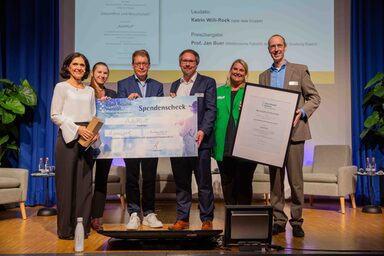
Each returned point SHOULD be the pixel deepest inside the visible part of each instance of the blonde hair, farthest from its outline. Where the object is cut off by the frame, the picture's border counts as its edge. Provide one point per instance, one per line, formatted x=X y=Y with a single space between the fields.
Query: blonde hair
x=245 y=66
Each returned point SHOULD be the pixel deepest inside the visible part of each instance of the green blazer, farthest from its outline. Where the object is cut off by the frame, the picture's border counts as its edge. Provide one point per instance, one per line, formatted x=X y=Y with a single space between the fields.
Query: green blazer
x=222 y=117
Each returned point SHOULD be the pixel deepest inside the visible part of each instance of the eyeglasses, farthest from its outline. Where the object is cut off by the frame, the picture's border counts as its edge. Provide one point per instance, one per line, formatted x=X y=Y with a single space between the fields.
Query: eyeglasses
x=141 y=64
x=188 y=61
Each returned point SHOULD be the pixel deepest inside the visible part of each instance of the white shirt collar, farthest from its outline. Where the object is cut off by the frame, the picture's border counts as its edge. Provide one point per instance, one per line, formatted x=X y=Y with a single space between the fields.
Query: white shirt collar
x=143 y=83
x=192 y=80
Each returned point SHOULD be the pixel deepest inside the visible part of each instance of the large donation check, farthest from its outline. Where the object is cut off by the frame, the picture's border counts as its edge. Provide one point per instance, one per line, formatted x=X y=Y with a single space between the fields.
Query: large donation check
x=148 y=127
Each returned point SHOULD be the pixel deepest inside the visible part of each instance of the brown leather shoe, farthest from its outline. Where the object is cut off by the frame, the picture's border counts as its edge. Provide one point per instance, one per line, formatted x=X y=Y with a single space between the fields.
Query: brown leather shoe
x=207 y=225
x=179 y=225
x=96 y=224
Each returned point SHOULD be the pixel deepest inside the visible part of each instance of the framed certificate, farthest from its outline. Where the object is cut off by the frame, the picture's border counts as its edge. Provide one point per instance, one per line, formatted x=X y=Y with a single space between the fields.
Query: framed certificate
x=265 y=124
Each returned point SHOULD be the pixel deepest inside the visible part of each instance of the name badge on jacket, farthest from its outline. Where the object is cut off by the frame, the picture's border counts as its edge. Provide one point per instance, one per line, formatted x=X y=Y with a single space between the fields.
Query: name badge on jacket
x=199 y=94
x=293 y=83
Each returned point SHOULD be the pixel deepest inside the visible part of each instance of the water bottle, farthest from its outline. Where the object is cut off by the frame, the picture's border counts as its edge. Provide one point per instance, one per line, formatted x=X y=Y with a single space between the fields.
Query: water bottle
x=373 y=166
x=79 y=235
x=46 y=165
x=41 y=166
x=368 y=166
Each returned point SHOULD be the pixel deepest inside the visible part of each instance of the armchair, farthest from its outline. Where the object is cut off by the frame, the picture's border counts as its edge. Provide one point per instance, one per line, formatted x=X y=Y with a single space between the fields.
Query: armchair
x=260 y=182
x=165 y=185
x=331 y=174
x=14 y=187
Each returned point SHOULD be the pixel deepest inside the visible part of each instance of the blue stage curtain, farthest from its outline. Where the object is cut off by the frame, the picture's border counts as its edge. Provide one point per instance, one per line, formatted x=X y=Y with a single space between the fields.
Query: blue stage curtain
x=367 y=58
x=29 y=43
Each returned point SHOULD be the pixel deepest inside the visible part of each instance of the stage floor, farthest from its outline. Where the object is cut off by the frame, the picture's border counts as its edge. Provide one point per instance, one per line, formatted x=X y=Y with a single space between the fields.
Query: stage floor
x=327 y=231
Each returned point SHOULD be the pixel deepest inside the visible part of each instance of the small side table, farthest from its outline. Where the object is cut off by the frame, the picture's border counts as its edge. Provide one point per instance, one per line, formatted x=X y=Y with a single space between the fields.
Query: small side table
x=46 y=211
x=372 y=208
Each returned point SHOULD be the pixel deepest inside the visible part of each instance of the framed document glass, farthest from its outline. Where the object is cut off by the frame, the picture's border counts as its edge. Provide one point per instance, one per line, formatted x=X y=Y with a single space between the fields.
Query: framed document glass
x=265 y=124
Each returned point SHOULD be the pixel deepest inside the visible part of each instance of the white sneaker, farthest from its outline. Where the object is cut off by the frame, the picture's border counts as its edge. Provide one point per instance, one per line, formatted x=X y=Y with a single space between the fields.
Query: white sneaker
x=151 y=221
x=134 y=221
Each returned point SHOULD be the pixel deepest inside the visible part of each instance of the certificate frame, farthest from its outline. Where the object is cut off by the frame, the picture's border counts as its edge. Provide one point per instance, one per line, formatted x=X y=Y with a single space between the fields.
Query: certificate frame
x=265 y=124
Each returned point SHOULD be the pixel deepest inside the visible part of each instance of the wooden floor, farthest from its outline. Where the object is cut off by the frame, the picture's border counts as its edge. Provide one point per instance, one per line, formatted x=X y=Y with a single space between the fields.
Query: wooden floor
x=327 y=231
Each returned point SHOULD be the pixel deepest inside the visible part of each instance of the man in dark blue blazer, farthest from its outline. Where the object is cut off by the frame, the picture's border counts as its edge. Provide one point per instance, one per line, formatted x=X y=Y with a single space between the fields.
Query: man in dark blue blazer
x=133 y=87
x=204 y=88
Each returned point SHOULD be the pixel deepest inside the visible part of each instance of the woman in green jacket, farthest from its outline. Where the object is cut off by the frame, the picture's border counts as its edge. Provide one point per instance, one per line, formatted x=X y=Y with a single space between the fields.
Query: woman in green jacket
x=236 y=174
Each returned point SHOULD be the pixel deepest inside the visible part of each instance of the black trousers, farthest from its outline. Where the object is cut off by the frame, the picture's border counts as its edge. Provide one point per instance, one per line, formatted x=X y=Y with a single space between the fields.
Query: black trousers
x=132 y=188
x=236 y=180
x=73 y=185
x=100 y=192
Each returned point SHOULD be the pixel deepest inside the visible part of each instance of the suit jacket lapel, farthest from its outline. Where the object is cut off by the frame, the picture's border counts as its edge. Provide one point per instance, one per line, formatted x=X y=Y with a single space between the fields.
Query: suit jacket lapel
x=136 y=87
x=228 y=96
x=148 y=91
x=195 y=85
x=288 y=74
x=236 y=102
x=268 y=78
x=175 y=86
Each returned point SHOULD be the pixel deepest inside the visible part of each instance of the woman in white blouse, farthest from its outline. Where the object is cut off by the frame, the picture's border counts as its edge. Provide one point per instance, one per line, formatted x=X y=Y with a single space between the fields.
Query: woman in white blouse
x=72 y=107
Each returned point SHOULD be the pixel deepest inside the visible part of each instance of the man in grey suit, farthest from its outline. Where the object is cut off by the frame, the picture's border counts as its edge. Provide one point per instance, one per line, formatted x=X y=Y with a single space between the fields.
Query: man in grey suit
x=283 y=74
x=136 y=86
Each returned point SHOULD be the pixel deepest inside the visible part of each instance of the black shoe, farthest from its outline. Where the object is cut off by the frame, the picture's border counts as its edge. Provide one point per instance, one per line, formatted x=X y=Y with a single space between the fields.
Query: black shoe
x=298 y=231
x=96 y=223
x=66 y=237
x=276 y=229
